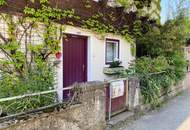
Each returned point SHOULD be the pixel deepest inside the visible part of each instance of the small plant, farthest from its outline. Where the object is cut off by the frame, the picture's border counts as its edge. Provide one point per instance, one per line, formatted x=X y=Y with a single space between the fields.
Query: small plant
x=115 y=63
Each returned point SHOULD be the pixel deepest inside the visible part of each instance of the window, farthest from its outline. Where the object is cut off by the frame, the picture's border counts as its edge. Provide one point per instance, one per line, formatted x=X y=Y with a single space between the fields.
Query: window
x=112 y=50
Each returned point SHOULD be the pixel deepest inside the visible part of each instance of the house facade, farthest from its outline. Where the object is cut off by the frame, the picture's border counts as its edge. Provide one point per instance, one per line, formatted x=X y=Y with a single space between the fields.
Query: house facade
x=84 y=53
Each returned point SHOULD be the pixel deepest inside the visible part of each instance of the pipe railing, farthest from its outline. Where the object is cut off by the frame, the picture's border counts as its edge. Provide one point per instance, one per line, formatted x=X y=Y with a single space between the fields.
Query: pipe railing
x=32 y=94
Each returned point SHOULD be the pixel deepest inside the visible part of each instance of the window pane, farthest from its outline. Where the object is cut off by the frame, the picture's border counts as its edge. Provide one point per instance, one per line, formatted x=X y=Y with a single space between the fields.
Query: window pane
x=112 y=49
x=110 y=52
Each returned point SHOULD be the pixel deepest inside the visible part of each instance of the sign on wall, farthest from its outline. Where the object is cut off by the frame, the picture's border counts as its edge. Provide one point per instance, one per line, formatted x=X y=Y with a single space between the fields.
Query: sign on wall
x=117 y=89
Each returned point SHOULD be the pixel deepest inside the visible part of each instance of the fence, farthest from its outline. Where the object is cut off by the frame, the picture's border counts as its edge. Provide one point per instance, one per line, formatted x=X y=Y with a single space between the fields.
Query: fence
x=87 y=112
x=111 y=102
x=49 y=97
x=116 y=96
x=117 y=100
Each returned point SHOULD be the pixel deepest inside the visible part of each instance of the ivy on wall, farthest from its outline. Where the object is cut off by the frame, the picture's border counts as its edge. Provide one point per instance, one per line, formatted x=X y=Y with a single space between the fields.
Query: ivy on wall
x=49 y=15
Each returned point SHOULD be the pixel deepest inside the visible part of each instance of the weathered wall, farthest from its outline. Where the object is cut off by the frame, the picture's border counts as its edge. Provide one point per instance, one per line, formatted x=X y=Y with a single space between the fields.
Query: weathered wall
x=136 y=99
x=89 y=115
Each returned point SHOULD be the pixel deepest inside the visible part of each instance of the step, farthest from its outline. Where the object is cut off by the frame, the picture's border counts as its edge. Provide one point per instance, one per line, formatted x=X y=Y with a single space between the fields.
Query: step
x=120 y=118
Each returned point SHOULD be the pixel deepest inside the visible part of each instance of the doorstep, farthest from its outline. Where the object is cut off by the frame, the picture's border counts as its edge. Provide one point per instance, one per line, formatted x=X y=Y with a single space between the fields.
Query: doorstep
x=120 y=119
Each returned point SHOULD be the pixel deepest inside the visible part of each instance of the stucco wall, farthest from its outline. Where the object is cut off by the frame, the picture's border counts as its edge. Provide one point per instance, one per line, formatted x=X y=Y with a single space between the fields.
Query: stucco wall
x=89 y=115
x=96 y=52
x=96 y=55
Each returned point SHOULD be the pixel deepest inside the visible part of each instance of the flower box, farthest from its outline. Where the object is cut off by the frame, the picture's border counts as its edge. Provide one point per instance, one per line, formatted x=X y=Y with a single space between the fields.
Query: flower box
x=113 y=71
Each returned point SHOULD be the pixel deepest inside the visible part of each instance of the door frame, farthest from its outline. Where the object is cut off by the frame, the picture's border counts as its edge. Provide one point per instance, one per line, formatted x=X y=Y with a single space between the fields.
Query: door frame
x=86 y=55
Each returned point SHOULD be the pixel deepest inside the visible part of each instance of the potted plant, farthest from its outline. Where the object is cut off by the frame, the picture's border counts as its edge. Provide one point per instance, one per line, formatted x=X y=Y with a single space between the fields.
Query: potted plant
x=114 y=68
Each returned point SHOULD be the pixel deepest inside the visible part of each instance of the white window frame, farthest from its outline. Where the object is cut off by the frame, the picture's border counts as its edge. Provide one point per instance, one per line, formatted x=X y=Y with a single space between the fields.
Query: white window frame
x=117 y=56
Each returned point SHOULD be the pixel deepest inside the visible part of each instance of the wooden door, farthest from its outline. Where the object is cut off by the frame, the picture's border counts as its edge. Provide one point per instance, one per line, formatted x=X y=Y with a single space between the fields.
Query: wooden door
x=74 y=59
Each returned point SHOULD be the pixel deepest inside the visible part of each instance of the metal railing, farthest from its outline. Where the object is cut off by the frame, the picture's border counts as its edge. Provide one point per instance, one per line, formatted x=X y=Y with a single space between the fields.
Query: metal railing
x=56 y=103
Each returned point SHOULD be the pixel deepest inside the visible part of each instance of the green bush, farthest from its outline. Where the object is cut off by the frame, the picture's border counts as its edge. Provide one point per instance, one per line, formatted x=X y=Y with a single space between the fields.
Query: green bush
x=41 y=78
x=157 y=75
x=178 y=66
x=163 y=62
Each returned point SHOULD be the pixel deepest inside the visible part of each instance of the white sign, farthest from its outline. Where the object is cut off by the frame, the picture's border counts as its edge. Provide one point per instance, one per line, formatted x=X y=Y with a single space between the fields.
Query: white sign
x=117 y=89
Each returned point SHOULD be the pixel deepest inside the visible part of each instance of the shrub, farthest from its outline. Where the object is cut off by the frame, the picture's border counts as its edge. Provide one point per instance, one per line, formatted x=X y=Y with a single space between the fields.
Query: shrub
x=158 y=74
x=41 y=78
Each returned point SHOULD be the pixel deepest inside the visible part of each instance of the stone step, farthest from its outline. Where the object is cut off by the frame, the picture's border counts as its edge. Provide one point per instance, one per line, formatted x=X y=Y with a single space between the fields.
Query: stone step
x=121 y=118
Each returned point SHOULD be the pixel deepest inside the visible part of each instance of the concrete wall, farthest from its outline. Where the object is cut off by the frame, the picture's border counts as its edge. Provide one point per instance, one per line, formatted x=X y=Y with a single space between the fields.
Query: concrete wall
x=89 y=115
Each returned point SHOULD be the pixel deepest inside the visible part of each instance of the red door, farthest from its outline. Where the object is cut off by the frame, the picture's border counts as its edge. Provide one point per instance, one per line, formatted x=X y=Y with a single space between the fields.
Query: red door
x=74 y=59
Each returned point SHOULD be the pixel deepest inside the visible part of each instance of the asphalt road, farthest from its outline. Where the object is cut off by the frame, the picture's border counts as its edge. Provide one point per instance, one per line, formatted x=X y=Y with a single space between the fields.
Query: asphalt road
x=174 y=115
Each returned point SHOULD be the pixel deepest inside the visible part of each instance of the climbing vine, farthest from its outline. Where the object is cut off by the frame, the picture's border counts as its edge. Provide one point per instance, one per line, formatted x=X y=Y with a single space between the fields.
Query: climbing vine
x=48 y=16
x=95 y=25
x=25 y=66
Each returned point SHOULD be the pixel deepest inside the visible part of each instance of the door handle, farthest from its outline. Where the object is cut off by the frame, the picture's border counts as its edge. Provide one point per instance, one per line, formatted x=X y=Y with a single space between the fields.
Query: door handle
x=83 y=67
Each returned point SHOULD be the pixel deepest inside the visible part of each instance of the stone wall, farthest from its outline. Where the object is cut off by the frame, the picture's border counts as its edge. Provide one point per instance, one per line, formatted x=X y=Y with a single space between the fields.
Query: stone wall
x=89 y=115
x=136 y=102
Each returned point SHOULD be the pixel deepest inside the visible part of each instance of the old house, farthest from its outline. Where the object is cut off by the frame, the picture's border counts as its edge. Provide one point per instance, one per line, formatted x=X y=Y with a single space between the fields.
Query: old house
x=85 y=53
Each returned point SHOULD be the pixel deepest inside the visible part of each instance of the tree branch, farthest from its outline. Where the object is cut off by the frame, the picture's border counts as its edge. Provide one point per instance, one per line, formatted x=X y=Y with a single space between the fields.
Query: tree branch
x=25 y=30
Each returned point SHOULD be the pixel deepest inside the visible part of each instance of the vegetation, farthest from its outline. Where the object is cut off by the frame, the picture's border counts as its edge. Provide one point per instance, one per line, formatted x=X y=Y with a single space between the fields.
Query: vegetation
x=31 y=71
x=40 y=79
x=163 y=63
x=25 y=66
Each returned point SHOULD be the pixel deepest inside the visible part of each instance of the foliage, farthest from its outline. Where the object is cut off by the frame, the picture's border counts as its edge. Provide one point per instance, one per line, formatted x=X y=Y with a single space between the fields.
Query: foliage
x=166 y=39
x=2 y=2
x=158 y=74
x=146 y=65
x=41 y=78
x=25 y=66
x=178 y=66
x=95 y=25
x=163 y=62
x=19 y=68
x=124 y=3
x=115 y=64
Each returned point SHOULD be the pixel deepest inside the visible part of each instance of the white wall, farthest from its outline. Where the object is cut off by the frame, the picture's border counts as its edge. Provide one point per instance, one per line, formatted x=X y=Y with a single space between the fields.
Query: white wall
x=96 y=53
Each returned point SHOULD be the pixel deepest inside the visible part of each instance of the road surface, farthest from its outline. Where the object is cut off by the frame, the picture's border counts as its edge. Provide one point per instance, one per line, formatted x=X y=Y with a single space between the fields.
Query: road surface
x=175 y=115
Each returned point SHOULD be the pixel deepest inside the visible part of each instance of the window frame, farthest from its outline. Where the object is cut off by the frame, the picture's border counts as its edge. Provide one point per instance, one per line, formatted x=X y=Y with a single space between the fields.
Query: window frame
x=115 y=41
